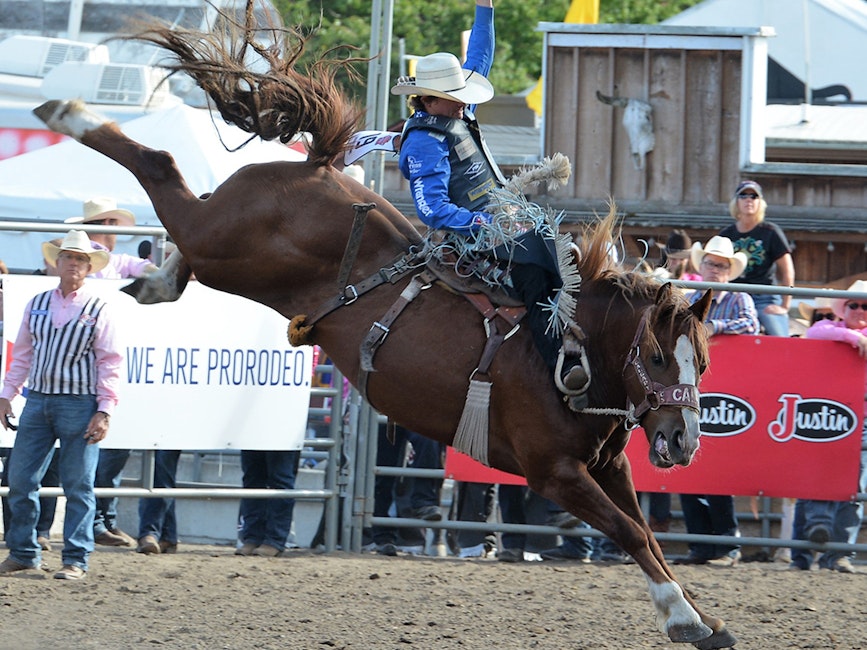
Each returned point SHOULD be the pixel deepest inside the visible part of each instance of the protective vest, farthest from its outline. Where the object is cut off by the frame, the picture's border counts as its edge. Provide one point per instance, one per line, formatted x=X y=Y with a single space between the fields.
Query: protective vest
x=474 y=172
x=63 y=358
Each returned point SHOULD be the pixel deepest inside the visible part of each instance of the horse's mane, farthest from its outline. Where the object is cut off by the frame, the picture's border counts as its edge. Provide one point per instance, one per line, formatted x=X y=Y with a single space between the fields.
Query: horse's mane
x=278 y=103
x=597 y=244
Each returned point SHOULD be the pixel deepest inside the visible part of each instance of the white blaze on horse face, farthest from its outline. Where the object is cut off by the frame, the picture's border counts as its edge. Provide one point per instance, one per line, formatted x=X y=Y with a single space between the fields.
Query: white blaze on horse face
x=684 y=355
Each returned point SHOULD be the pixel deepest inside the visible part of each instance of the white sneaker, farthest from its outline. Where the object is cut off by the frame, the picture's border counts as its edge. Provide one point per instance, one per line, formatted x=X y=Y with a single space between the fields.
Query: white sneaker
x=473 y=551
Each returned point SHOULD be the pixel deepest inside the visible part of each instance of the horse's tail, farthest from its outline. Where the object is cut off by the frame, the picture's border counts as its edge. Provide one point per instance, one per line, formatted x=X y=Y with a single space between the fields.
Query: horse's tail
x=277 y=103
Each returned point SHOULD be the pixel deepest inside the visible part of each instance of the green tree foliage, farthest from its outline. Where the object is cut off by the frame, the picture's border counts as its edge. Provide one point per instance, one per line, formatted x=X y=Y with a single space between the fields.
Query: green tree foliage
x=437 y=26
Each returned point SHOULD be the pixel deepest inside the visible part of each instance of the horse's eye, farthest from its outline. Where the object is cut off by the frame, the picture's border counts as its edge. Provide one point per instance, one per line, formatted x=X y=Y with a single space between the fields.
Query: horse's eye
x=657 y=360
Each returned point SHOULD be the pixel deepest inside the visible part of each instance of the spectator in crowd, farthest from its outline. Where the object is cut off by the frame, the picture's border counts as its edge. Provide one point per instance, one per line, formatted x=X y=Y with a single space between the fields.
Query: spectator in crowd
x=676 y=264
x=266 y=523
x=157 y=523
x=67 y=352
x=730 y=313
x=423 y=494
x=836 y=521
x=47 y=505
x=768 y=255
x=103 y=211
x=451 y=173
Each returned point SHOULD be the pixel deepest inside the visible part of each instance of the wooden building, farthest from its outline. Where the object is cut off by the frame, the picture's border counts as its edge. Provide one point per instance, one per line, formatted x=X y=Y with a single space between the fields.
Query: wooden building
x=705 y=91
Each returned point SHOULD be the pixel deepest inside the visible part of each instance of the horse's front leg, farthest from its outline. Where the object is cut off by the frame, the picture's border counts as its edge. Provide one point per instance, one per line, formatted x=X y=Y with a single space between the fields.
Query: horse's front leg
x=615 y=479
x=570 y=485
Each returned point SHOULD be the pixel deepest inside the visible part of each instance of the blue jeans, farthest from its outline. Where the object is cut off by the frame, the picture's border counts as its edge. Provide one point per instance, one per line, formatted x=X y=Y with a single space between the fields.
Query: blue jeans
x=108 y=474
x=47 y=505
x=774 y=324
x=578 y=546
x=45 y=419
x=268 y=521
x=710 y=514
x=842 y=518
x=156 y=516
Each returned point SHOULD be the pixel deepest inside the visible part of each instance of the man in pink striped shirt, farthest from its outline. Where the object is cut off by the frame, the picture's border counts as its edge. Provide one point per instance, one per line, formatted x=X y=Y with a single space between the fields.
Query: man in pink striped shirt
x=68 y=354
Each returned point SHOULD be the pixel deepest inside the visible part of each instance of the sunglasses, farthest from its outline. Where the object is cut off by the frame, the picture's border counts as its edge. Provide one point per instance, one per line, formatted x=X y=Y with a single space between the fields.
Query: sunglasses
x=718 y=266
x=748 y=195
x=856 y=305
x=825 y=316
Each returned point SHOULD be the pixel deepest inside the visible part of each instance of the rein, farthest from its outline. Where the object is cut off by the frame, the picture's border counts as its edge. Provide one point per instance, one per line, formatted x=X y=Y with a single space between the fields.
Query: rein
x=655 y=394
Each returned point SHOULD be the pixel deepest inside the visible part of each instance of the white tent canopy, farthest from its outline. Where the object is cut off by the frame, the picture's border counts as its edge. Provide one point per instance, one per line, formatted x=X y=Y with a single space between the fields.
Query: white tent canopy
x=831 y=49
x=52 y=183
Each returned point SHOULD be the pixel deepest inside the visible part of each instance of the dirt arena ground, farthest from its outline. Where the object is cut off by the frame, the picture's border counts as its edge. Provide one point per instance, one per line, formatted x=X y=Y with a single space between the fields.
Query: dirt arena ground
x=205 y=597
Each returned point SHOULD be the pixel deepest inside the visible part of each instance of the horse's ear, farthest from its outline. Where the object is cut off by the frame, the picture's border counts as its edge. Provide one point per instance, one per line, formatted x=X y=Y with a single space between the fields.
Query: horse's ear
x=702 y=306
x=663 y=294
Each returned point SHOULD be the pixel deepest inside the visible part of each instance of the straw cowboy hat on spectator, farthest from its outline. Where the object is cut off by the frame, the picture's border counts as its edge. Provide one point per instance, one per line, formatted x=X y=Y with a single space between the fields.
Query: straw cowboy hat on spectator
x=441 y=75
x=807 y=309
x=721 y=247
x=76 y=241
x=102 y=208
x=839 y=304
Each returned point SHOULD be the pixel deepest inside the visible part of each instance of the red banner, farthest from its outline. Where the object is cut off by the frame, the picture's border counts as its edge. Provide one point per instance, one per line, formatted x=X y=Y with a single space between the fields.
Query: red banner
x=18 y=141
x=780 y=417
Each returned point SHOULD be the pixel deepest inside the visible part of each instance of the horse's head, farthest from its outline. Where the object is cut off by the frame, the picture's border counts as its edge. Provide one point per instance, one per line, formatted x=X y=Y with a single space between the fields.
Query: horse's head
x=663 y=367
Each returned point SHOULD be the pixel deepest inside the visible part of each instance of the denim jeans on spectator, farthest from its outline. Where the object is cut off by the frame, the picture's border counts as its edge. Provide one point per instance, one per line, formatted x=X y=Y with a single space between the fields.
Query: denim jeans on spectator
x=268 y=521
x=47 y=505
x=156 y=516
x=109 y=471
x=579 y=546
x=841 y=518
x=773 y=324
x=47 y=418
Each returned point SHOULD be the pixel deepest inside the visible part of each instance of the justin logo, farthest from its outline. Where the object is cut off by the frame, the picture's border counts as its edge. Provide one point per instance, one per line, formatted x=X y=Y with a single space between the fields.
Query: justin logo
x=815 y=420
x=725 y=415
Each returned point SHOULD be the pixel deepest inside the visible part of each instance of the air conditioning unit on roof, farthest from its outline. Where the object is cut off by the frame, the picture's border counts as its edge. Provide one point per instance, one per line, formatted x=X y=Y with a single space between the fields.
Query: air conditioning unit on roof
x=35 y=56
x=108 y=83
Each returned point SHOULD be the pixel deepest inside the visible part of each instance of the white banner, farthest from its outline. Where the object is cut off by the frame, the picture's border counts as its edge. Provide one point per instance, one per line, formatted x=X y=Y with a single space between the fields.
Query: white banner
x=210 y=371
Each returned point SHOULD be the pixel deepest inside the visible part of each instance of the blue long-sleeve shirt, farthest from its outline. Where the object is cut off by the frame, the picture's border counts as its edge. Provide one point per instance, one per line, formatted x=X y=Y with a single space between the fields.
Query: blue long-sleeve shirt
x=424 y=155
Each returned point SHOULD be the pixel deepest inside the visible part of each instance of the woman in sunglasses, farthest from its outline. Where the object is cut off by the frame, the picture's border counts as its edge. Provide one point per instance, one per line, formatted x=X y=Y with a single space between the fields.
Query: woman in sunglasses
x=769 y=255
x=836 y=521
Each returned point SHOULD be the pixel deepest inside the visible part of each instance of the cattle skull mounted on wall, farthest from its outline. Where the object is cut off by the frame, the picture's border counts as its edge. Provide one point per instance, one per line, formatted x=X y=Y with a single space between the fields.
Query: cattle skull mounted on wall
x=638 y=121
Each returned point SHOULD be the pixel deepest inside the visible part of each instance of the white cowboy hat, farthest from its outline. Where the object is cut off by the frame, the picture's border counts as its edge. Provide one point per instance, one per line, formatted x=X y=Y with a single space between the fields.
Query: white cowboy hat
x=839 y=304
x=807 y=309
x=103 y=208
x=76 y=241
x=722 y=247
x=441 y=75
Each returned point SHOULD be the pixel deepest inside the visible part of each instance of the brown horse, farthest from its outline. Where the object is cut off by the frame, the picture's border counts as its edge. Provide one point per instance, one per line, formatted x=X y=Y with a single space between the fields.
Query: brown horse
x=276 y=233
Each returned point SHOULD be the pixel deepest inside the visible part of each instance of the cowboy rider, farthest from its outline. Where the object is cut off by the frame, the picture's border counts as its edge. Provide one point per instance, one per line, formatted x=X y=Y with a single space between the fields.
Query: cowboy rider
x=451 y=172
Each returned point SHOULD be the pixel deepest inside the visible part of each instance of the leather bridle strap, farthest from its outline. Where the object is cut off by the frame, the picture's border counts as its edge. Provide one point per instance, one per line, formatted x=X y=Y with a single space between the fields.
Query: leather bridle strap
x=655 y=394
x=353 y=243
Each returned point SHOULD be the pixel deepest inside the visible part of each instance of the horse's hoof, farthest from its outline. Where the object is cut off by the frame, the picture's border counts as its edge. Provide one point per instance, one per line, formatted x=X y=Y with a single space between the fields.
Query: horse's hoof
x=719 y=639
x=133 y=288
x=690 y=633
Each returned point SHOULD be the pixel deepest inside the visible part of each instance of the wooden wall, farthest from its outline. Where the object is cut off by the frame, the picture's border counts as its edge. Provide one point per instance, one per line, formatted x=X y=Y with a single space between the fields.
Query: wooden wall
x=706 y=88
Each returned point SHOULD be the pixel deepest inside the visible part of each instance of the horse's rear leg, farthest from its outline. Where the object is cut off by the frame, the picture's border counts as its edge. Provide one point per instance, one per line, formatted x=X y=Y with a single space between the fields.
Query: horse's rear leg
x=165 y=285
x=155 y=170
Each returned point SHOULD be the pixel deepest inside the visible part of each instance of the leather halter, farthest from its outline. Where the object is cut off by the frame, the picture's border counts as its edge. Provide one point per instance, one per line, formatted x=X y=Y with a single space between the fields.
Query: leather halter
x=655 y=394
